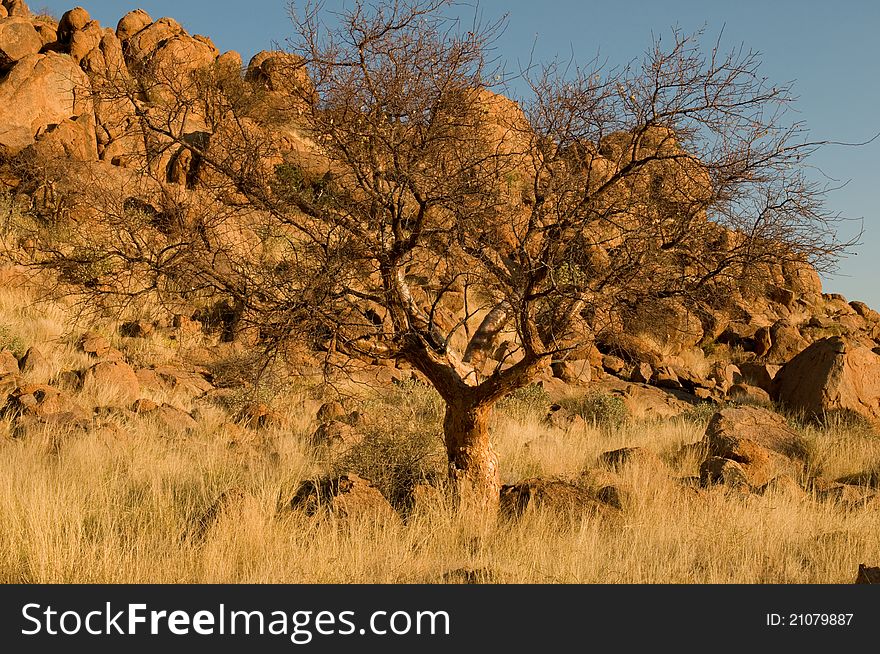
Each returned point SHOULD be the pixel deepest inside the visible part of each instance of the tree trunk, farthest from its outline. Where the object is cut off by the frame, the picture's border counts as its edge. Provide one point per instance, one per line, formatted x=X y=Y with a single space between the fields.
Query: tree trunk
x=473 y=465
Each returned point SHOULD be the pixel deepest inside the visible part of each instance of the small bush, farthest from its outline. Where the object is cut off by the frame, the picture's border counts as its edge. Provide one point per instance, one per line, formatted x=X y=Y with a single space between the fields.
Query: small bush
x=11 y=341
x=701 y=413
x=600 y=408
x=395 y=461
x=525 y=402
x=403 y=443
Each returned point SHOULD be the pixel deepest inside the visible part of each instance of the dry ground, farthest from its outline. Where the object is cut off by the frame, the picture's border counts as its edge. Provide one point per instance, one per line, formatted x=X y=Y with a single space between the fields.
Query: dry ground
x=127 y=502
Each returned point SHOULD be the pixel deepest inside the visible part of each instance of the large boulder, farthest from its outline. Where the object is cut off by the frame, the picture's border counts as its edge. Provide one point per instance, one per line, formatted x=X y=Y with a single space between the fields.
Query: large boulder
x=758 y=440
x=16 y=8
x=132 y=23
x=113 y=380
x=18 y=39
x=40 y=90
x=71 y=140
x=833 y=375
x=865 y=311
x=85 y=40
x=786 y=342
x=72 y=21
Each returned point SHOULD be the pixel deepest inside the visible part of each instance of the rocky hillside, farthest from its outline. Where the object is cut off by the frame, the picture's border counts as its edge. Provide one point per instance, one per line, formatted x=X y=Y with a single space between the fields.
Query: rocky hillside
x=777 y=340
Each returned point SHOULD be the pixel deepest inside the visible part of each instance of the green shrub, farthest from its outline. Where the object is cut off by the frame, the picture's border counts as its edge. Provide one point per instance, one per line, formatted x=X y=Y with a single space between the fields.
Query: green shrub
x=525 y=402
x=402 y=443
x=600 y=408
x=395 y=461
x=701 y=413
x=9 y=340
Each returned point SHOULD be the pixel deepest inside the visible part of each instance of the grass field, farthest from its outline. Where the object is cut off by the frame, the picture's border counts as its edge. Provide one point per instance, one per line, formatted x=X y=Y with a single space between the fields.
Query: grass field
x=131 y=500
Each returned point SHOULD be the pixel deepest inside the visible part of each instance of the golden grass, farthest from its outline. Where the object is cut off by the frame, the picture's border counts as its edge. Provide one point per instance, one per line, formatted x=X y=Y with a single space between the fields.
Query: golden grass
x=125 y=502
x=124 y=506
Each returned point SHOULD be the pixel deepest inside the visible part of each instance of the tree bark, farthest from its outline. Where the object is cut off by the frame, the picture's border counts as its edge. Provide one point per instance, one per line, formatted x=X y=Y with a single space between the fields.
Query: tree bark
x=473 y=465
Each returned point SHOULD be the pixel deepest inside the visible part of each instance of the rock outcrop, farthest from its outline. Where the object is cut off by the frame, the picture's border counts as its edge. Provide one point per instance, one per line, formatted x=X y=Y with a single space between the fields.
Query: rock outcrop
x=833 y=375
x=347 y=496
x=18 y=39
x=41 y=90
x=750 y=446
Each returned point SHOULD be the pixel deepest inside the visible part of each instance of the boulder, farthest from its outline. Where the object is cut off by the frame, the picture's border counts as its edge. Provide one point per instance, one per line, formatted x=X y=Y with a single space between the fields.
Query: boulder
x=18 y=39
x=143 y=43
x=832 y=375
x=759 y=374
x=725 y=375
x=718 y=470
x=865 y=311
x=41 y=400
x=641 y=373
x=85 y=40
x=93 y=344
x=113 y=379
x=70 y=140
x=346 y=496
x=230 y=61
x=71 y=21
x=665 y=377
x=8 y=363
x=644 y=401
x=193 y=382
x=802 y=278
x=576 y=372
x=40 y=90
x=33 y=361
x=786 y=341
x=612 y=364
x=762 y=341
x=17 y=8
x=867 y=575
x=169 y=417
x=555 y=496
x=279 y=71
x=748 y=394
x=758 y=440
x=132 y=23
x=170 y=54
x=46 y=32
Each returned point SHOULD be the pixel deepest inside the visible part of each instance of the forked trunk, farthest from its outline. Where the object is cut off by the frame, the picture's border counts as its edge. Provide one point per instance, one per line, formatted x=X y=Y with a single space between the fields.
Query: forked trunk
x=473 y=465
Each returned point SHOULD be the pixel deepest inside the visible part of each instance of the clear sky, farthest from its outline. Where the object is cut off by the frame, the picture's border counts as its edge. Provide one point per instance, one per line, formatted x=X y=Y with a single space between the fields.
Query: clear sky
x=830 y=50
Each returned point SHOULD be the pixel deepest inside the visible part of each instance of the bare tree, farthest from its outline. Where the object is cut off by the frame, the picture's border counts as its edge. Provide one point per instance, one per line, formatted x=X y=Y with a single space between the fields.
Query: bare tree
x=414 y=214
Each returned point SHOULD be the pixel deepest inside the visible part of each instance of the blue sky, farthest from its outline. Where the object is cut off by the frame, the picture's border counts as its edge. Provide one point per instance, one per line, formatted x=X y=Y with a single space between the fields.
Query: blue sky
x=830 y=50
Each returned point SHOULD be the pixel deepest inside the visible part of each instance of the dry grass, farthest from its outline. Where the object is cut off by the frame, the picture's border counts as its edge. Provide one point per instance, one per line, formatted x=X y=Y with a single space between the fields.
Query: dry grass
x=124 y=505
x=126 y=501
